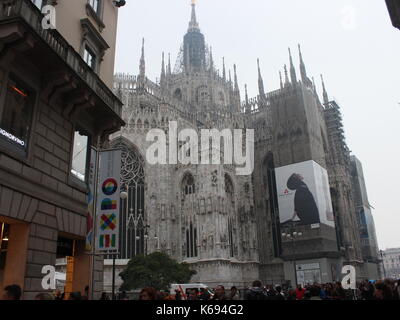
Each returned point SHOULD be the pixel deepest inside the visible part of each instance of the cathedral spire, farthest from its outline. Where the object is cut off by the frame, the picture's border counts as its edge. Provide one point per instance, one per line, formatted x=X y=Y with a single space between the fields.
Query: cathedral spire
x=260 y=80
x=162 y=78
x=325 y=93
x=236 y=86
x=193 y=24
x=293 y=75
x=280 y=78
x=314 y=87
x=169 y=71
x=142 y=62
x=286 y=75
x=211 y=61
x=302 y=67
x=142 y=68
x=247 y=99
x=223 y=69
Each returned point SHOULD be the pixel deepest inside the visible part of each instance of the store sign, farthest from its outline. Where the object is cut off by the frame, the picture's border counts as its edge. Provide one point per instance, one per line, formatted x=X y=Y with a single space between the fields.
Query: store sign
x=11 y=137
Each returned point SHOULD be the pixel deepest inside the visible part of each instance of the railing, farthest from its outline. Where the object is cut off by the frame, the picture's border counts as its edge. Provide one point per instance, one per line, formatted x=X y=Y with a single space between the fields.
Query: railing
x=25 y=9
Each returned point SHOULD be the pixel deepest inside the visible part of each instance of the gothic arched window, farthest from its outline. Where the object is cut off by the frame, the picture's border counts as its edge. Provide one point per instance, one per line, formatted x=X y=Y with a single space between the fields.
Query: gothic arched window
x=230 y=193
x=178 y=94
x=269 y=181
x=191 y=241
x=229 y=187
x=132 y=215
x=188 y=185
x=203 y=95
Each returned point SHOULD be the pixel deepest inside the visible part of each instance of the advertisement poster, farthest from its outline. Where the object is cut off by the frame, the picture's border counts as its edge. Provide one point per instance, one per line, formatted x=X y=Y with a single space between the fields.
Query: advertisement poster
x=108 y=195
x=304 y=195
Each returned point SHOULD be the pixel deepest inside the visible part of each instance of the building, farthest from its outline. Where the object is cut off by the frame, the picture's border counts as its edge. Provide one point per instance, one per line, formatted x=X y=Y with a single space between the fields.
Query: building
x=234 y=228
x=394 y=12
x=391 y=263
x=55 y=102
x=369 y=242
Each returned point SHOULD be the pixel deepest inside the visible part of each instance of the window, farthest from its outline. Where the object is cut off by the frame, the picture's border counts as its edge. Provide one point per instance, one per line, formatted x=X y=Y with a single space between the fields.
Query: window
x=16 y=117
x=191 y=241
x=79 y=156
x=38 y=3
x=90 y=58
x=188 y=185
x=95 y=4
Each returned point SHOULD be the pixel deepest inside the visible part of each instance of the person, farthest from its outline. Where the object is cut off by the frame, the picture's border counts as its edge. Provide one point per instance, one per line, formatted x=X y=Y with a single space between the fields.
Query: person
x=234 y=294
x=339 y=293
x=75 y=296
x=323 y=293
x=104 y=296
x=379 y=291
x=123 y=296
x=44 y=296
x=291 y=295
x=192 y=295
x=397 y=290
x=219 y=293
x=305 y=207
x=279 y=294
x=270 y=292
x=204 y=294
x=178 y=295
x=12 y=292
x=86 y=295
x=147 y=294
x=256 y=292
x=300 y=292
x=57 y=295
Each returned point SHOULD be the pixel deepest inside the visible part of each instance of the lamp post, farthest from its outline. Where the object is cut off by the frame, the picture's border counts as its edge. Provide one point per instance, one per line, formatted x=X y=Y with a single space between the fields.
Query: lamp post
x=123 y=196
x=382 y=253
x=292 y=235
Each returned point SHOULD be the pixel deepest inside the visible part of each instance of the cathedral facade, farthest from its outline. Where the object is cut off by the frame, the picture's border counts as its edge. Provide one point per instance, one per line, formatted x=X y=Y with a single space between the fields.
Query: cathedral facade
x=227 y=226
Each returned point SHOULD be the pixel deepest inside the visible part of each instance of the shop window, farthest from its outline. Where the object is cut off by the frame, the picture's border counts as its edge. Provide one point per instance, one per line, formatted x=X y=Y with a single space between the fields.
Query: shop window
x=4 y=234
x=80 y=156
x=16 y=114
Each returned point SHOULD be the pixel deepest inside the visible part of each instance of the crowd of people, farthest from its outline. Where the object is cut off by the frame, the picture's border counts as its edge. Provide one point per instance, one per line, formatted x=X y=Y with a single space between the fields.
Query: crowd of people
x=366 y=290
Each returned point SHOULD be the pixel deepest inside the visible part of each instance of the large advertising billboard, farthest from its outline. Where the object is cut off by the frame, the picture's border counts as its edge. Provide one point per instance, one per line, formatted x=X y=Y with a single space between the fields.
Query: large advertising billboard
x=303 y=194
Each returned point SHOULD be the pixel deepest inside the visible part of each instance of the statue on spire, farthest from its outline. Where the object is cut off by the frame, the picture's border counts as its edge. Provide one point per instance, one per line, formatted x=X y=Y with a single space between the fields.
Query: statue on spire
x=193 y=24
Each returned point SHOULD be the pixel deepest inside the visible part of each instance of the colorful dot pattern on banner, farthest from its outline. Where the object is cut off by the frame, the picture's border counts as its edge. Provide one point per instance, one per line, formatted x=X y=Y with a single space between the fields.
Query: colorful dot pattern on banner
x=108 y=204
x=109 y=187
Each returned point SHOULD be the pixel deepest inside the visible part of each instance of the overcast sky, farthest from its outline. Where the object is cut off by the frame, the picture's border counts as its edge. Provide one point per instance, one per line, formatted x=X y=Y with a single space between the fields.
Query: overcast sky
x=352 y=42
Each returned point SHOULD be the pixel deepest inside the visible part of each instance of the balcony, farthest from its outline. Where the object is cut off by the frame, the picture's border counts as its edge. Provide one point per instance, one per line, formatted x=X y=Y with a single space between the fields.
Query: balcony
x=21 y=29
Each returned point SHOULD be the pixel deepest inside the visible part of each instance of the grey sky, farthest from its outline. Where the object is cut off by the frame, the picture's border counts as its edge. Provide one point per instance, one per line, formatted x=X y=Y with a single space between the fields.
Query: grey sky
x=351 y=42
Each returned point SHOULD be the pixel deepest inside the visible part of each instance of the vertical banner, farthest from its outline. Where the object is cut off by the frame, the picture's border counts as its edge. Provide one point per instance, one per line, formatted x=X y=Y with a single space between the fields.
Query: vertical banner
x=69 y=277
x=92 y=176
x=107 y=227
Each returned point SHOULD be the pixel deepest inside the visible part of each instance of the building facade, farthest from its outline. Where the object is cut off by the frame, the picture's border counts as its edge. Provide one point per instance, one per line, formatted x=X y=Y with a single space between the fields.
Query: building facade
x=369 y=242
x=231 y=228
x=391 y=263
x=55 y=102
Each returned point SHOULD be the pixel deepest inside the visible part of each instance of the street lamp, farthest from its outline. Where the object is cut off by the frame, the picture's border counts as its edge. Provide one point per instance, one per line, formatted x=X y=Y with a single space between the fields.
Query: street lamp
x=123 y=196
x=382 y=253
x=292 y=236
